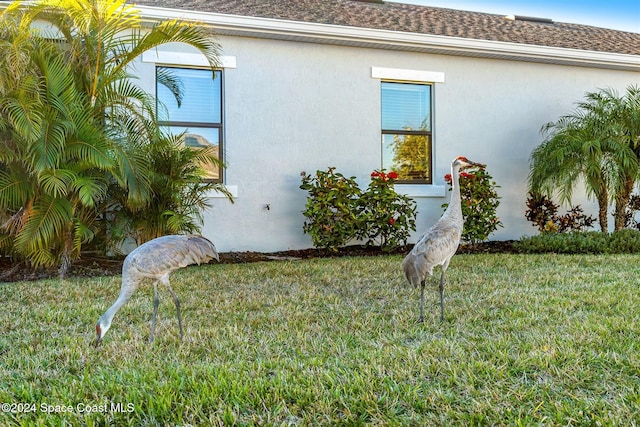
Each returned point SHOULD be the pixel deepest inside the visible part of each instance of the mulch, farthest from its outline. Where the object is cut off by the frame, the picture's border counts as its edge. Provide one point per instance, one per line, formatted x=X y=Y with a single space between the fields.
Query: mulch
x=92 y=266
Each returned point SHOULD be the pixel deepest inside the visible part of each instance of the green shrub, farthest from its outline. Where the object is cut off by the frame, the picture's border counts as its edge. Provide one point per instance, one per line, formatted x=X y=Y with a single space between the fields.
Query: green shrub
x=590 y=242
x=624 y=242
x=331 y=209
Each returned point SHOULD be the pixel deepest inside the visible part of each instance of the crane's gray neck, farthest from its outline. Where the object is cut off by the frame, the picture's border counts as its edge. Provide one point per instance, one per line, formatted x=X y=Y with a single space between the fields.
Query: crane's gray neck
x=107 y=317
x=128 y=287
x=454 y=210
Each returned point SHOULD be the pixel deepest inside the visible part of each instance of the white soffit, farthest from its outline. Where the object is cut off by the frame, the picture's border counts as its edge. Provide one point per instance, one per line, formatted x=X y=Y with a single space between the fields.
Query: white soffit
x=385 y=39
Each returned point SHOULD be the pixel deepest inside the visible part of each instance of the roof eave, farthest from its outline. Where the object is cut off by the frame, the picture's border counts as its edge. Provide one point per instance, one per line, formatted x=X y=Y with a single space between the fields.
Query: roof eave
x=384 y=39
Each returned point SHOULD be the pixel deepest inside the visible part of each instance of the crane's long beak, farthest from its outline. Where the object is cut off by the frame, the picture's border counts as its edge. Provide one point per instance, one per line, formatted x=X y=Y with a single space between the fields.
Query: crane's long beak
x=476 y=164
x=98 y=340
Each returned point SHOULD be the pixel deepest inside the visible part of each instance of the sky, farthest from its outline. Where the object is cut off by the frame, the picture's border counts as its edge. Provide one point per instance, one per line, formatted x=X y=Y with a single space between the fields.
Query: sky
x=615 y=14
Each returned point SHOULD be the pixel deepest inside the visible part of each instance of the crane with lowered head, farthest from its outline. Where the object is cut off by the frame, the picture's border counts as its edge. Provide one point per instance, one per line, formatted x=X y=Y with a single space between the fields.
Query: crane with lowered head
x=155 y=260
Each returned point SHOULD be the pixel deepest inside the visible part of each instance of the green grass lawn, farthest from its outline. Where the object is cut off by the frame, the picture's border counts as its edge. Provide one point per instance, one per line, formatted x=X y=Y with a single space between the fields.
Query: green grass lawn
x=527 y=340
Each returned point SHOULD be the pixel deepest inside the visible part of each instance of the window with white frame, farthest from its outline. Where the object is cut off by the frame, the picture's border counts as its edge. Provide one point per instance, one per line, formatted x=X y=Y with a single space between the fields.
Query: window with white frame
x=407 y=139
x=199 y=112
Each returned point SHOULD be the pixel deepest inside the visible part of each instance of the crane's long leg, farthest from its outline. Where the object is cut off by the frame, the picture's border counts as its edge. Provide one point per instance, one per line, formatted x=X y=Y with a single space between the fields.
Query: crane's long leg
x=441 y=287
x=177 y=303
x=422 y=285
x=156 y=303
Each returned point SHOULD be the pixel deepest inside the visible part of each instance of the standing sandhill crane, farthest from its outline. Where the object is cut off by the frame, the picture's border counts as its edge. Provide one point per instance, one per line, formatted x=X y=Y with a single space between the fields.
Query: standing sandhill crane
x=439 y=243
x=156 y=259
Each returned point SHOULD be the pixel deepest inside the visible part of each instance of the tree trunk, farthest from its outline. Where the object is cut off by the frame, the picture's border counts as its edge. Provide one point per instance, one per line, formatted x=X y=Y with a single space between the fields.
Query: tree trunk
x=622 y=201
x=603 y=206
x=65 y=255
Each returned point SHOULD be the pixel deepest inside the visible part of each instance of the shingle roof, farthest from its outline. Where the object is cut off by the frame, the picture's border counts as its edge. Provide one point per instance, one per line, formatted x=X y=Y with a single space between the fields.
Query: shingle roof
x=421 y=20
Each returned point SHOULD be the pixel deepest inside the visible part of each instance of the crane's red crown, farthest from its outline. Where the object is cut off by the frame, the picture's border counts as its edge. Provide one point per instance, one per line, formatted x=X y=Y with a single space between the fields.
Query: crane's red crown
x=465 y=160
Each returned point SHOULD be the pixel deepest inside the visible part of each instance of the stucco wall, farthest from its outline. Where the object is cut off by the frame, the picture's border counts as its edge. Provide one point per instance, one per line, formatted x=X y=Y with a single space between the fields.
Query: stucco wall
x=292 y=107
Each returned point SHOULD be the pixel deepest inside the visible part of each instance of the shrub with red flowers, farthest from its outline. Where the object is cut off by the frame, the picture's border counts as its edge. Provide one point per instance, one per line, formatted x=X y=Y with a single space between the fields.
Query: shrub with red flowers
x=337 y=211
x=386 y=217
x=384 y=177
x=479 y=204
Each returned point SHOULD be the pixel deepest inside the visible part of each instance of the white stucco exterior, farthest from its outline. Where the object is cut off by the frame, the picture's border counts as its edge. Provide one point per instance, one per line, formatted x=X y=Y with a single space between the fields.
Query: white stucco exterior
x=292 y=106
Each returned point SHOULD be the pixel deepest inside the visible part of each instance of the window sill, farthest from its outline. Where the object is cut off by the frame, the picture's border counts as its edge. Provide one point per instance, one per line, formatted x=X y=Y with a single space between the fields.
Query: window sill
x=233 y=189
x=421 y=190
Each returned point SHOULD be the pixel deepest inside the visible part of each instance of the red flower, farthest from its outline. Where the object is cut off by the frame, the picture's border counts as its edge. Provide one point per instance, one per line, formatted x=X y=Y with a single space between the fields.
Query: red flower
x=393 y=175
x=391 y=221
x=467 y=175
x=375 y=174
x=447 y=178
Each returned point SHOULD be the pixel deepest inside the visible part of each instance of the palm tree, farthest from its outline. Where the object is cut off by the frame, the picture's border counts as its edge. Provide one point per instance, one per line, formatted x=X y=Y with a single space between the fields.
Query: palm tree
x=102 y=38
x=178 y=193
x=626 y=115
x=594 y=144
x=72 y=120
x=53 y=165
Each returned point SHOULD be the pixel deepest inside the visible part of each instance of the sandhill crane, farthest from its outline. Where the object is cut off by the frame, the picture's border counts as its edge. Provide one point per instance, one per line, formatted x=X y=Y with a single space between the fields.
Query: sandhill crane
x=439 y=243
x=156 y=259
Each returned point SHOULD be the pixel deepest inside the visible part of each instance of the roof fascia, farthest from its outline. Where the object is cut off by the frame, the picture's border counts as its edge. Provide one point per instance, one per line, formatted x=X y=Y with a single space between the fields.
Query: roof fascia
x=385 y=39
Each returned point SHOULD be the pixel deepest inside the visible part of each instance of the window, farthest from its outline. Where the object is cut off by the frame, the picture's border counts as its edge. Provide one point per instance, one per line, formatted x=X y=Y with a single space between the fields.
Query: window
x=199 y=114
x=406 y=130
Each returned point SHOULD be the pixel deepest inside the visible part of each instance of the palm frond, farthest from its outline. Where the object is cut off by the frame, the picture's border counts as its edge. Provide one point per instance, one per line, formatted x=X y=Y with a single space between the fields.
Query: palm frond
x=42 y=229
x=15 y=189
x=167 y=78
x=131 y=174
x=96 y=153
x=89 y=190
x=56 y=182
x=197 y=35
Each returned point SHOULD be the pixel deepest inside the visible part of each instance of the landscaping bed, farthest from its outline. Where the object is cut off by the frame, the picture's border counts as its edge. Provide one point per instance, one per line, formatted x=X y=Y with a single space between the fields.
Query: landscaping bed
x=92 y=266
